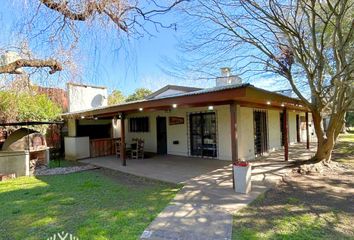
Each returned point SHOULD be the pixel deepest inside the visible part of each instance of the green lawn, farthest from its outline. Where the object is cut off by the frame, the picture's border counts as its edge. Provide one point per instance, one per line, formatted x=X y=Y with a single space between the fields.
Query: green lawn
x=304 y=207
x=62 y=163
x=293 y=219
x=344 y=149
x=90 y=205
x=348 y=137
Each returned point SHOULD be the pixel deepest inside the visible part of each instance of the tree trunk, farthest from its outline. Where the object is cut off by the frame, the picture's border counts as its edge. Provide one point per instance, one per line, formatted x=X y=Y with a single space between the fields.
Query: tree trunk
x=326 y=139
x=324 y=151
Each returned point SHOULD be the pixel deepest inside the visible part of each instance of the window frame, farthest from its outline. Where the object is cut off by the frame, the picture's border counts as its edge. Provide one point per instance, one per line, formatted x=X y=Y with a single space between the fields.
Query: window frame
x=139 y=124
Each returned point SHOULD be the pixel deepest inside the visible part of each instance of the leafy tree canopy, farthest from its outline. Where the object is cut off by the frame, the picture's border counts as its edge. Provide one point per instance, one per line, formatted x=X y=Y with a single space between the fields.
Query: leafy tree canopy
x=27 y=107
x=139 y=94
x=116 y=97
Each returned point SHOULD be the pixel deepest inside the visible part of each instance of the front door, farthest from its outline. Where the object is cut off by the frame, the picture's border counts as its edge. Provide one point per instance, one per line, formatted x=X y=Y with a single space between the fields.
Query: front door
x=161 y=132
x=203 y=134
x=260 y=132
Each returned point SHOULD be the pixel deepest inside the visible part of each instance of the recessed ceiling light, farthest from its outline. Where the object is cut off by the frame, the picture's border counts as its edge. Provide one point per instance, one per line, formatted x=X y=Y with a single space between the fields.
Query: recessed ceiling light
x=210 y=107
x=174 y=105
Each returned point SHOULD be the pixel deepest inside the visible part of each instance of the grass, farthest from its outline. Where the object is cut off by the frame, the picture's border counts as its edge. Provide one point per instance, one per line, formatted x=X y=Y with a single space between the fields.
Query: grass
x=291 y=219
x=90 y=205
x=344 y=149
x=296 y=211
x=62 y=163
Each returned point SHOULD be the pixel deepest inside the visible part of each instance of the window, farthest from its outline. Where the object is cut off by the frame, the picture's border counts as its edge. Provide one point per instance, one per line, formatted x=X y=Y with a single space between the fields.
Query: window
x=140 y=124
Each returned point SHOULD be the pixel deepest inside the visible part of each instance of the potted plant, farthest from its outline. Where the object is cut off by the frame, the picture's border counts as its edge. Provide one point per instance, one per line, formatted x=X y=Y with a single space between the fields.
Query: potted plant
x=242 y=176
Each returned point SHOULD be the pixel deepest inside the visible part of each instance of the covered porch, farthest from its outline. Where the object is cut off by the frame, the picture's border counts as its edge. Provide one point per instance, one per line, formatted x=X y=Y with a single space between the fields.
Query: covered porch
x=216 y=126
x=179 y=169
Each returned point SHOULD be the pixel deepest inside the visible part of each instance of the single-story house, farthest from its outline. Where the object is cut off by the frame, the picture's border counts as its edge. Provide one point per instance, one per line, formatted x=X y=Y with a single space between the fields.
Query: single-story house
x=231 y=121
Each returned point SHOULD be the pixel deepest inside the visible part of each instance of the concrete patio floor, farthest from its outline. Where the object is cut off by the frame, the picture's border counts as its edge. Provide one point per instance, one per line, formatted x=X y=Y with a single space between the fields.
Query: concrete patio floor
x=168 y=168
x=180 y=169
x=204 y=207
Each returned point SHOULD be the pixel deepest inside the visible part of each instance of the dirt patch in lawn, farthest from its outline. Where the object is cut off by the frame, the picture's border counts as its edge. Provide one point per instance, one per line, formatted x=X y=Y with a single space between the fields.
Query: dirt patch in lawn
x=317 y=206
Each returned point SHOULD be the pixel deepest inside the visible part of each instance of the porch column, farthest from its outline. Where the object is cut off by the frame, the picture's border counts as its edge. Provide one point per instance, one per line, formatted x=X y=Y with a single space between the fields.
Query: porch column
x=285 y=132
x=234 y=145
x=307 y=130
x=122 y=141
x=298 y=138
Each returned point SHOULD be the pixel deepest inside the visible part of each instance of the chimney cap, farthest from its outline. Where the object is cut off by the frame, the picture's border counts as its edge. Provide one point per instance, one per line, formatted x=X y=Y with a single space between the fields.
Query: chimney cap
x=225 y=71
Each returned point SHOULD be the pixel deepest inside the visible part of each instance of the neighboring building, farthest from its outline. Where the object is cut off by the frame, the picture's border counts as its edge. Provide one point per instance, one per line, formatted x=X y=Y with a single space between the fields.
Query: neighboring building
x=170 y=90
x=83 y=97
x=287 y=92
x=226 y=122
x=57 y=95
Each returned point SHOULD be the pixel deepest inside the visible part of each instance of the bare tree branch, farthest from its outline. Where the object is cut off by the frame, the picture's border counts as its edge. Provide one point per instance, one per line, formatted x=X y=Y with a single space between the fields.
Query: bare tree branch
x=14 y=67
x=308 y=42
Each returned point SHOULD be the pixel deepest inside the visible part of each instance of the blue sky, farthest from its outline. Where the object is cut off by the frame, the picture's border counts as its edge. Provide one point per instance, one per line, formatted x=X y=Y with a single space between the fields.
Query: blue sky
x=137 y=64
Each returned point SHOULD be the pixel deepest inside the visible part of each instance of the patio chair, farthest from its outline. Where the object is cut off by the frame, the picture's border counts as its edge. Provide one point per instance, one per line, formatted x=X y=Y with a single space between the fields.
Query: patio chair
x=137 y=150
x=118 y=143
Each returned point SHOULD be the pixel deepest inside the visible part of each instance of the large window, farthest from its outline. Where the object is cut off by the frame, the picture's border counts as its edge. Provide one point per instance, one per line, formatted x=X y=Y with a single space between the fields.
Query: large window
x=139 y=124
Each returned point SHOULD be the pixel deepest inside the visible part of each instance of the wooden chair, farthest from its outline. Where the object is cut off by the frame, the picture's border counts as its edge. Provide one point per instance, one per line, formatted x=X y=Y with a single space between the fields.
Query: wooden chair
x=118 y=144
x=137 y=148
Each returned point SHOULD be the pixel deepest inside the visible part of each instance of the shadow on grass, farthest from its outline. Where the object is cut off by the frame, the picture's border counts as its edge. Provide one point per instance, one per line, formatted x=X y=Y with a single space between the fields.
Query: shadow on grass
x=301 y=208
x=88 y=204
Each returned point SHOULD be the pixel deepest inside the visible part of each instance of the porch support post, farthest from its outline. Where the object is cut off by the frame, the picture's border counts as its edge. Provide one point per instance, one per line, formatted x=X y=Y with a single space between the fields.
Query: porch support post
x=285 y=132
x=122 y=141
x=234 y=144
x=298 y=139
x=307 y=130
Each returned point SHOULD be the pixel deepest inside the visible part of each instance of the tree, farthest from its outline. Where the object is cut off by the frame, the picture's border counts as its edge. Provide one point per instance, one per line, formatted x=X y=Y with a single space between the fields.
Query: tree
x=116 y=97
x=139 y=94
x=56 y=24
x=25 y=106
x=307 y=42
x=349 y=119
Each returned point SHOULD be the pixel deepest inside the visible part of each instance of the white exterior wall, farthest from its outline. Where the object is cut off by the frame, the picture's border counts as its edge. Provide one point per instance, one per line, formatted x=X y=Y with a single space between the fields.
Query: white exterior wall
x=180 y=132
x=85 y=97
x=292 y=127
x=76 y=148
x=149 y=137
x=116 y=128
x=224 y=134
x=274 y=130
x=245 y=133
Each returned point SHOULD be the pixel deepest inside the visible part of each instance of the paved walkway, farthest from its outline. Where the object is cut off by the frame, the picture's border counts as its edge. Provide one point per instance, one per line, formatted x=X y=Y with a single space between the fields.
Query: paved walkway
x=204 y=208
